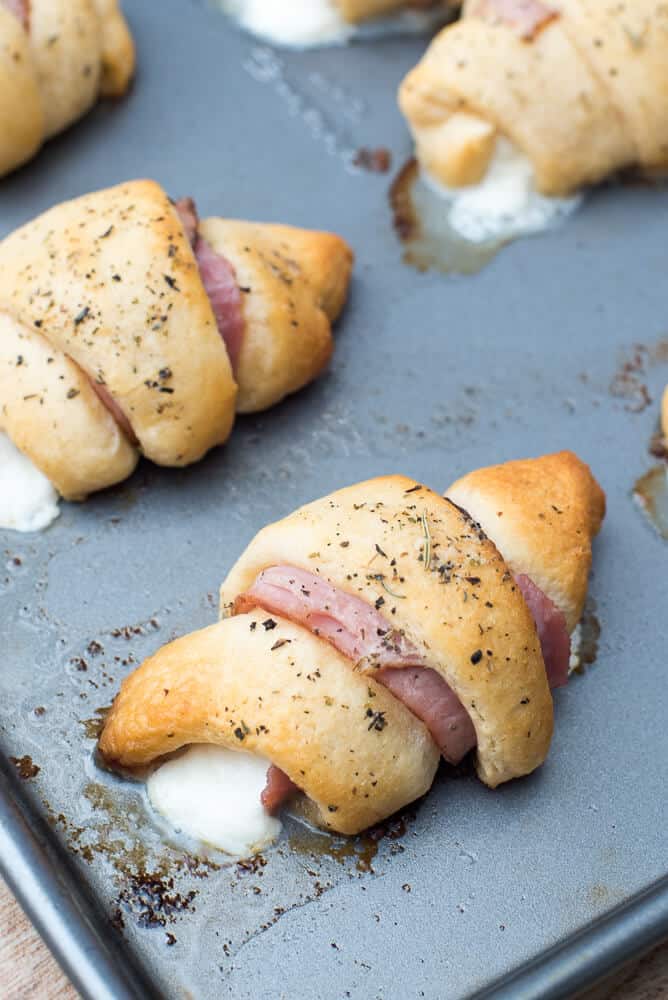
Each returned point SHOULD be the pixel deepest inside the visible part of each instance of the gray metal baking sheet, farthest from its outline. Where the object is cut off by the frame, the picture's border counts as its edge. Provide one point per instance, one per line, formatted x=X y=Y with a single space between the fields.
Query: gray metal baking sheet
x=432 y=376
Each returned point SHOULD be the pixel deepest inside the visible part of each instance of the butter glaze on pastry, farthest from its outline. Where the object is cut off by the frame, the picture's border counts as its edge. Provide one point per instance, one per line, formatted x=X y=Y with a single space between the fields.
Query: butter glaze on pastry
x=119 y=321
x=422 y=616
x=579 y=86
x=57 y=57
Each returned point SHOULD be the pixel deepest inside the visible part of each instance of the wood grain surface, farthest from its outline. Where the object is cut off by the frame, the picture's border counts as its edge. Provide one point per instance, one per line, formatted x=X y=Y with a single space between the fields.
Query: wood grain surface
x=28 y=972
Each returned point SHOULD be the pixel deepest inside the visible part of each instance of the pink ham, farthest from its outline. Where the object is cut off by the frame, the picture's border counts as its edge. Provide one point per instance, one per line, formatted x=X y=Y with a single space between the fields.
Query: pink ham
x=361 y=632
x=279 y=789
x=526 y=17
x=115 y=410
x=187 y=212
x=220 y=281
x=20 y=8
x=555 y=642
x=428 y=696
x=357 y=629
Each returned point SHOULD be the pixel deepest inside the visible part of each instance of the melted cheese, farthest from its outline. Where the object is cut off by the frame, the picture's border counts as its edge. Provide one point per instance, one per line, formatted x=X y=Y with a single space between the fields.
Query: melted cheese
x=300 y=23
x=28 y=501
x=213 y=795
x=505 y=204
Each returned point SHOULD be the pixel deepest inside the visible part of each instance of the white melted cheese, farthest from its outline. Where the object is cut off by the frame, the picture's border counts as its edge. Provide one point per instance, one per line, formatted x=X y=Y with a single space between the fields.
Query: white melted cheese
x=213 y=795
x=28 y=501
x=300 y=23
x=505 y=204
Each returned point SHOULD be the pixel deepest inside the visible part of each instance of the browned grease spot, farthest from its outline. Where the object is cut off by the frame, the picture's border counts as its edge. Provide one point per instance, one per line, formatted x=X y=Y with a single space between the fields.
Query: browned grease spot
x=153 y=899
x=630 y=380
x=420 y=218
x=361 y=849
x=93 y=727
x=590 y=633
x=377 y=161
x=658 y=445
x=25 y=767
x=651 y=494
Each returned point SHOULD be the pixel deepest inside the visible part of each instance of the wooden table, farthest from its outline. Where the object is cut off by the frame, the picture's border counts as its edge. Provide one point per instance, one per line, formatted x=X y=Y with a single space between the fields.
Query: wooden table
x=28 y=972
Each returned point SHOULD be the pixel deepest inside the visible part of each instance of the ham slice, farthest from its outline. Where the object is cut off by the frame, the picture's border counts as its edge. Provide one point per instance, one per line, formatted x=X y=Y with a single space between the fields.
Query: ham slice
x=219 y=280
x=555 y=642
x=20 y=8
x=115 y=410
x=526 y=17
x=357 y=629
x=362 y=633
x=187 y=212
x=278 y=789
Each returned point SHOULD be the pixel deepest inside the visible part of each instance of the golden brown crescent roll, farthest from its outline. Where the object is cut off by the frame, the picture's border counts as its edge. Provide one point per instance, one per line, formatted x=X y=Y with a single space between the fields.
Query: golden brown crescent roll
x=56 y=58
x=542 y=513
x=363 y=10
x=380 y=610
x=387 y=526
x=286 y=695
x=579 y=87
x=116 y=304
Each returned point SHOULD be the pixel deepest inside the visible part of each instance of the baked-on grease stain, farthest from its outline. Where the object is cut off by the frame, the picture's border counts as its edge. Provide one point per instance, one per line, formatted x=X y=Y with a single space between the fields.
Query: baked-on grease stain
x=93 y=727
x=589 y=632
x=420 y=221
x=361 y=849
x=651 y=494
x=25 y=767
x=650 y=491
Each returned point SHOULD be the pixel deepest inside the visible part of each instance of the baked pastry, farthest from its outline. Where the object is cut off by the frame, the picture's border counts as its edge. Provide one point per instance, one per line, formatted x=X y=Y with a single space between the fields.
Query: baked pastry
x=310 y=23
x=373 y=630
x=578 y=86
x=355 y=11
x=57 y=57
x=128 y=327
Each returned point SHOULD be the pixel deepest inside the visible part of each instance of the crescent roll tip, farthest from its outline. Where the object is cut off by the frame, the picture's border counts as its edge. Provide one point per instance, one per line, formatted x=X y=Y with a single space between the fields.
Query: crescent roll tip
x=294 y=285
x=543 y=514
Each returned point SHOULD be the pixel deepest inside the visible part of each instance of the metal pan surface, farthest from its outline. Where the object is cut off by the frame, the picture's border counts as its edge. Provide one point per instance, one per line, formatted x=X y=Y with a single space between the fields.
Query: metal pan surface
x=433 y=376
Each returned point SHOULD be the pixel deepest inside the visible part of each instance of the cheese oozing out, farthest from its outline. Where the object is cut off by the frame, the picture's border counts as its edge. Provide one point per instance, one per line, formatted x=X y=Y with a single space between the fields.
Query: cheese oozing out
x=28 y=501
x=300 y=23
x=213 y=794
x=505 y=203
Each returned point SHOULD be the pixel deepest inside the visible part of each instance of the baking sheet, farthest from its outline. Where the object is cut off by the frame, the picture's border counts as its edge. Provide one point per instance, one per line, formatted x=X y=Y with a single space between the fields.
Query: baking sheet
x=432 y=376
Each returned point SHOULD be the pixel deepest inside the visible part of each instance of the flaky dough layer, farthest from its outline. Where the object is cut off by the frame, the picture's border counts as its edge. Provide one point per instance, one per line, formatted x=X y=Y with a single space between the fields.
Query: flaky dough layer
x=53 y=71
x=542 y=513
x=294 y=285
x=110 y=280
x=582 y=95
x=267 y=686
x=462 y=609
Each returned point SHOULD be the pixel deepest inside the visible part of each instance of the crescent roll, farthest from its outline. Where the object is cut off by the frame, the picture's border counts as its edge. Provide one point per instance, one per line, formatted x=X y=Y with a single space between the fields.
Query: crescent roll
x=126 y=327
x=578 y=86
x=382 y=610
x=355 y=11
x=57 y=57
